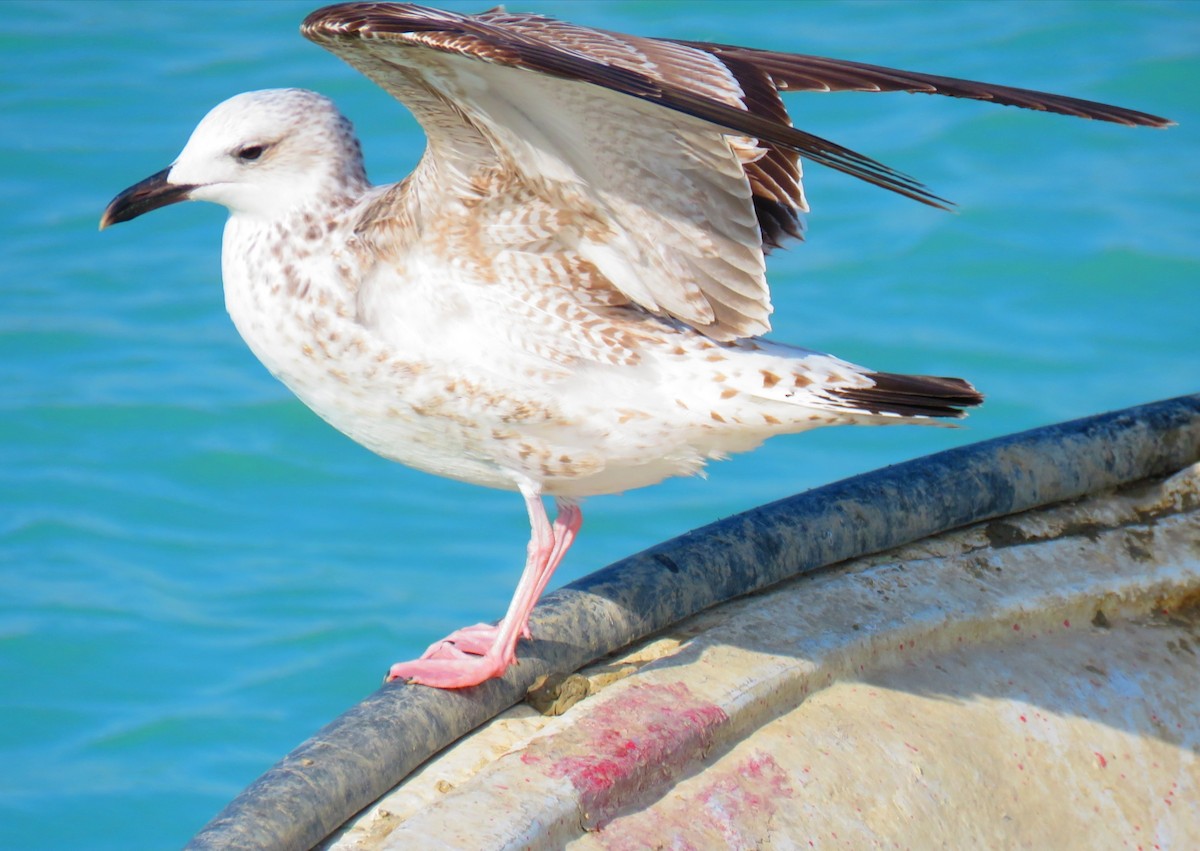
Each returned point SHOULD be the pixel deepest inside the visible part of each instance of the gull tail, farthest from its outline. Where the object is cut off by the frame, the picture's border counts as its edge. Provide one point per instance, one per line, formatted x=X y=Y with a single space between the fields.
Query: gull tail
x=909 y=396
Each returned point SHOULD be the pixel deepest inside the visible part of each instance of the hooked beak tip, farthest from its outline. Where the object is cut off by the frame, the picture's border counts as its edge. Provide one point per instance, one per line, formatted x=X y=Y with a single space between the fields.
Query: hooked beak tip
x=150 y=194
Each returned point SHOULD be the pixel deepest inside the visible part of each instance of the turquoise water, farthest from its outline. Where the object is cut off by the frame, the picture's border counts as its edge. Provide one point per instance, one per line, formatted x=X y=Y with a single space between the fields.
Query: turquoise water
x=197 y=573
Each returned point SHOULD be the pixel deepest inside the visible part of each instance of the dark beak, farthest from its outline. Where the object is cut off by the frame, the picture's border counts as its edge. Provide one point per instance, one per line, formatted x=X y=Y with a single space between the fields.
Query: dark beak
x=150 y=194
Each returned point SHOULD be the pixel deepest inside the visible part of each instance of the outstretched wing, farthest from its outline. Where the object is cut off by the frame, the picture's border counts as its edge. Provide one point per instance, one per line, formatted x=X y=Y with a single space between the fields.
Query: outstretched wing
x=673 y=164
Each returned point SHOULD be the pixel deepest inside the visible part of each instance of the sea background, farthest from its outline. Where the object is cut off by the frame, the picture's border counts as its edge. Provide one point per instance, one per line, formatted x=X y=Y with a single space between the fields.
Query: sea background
x=196 y=573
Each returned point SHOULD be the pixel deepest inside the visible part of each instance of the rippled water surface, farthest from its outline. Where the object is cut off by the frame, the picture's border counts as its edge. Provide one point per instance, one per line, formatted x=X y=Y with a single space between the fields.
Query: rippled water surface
x=197 y=573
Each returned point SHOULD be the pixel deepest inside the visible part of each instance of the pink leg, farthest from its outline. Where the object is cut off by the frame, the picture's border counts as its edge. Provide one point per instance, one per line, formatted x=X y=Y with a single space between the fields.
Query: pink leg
x=568 y=518
x=567 y=521
x=478 y=653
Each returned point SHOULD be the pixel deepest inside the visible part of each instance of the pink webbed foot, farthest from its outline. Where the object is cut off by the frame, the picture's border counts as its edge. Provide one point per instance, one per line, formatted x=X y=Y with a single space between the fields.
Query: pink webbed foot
x=476 y=640
x=448 y=673
x=471 y=655
x=465 y=657
x=458 y=671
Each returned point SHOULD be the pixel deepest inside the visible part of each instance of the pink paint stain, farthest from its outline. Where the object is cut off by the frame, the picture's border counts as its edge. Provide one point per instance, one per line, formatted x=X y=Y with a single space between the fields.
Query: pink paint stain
x=739 y=804
x=624 y=748
x=731 y=810
x=1100 y=758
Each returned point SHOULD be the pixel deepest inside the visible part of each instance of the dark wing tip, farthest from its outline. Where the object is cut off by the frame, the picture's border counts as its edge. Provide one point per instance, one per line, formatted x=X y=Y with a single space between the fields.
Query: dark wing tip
x=913 y=395
x=802 y=72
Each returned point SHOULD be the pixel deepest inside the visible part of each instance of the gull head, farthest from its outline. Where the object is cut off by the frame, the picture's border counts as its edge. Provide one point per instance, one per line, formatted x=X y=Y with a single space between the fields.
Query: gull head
x=260 y=154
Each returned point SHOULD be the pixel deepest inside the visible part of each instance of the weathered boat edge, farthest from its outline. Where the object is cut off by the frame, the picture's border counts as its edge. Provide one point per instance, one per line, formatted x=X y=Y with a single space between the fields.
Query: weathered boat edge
x=1025 y=681
x=370 y=748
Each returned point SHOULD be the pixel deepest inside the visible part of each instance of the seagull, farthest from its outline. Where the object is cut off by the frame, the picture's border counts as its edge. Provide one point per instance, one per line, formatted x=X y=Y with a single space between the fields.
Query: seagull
x=568 y=295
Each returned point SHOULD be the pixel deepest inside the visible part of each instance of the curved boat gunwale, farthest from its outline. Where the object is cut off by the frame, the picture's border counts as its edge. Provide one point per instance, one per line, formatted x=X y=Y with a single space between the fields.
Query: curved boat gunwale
x=369 y=749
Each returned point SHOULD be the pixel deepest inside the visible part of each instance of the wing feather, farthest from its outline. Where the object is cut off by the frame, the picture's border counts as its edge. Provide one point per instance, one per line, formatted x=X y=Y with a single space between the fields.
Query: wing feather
x=793 y=72
x=660 y=202
x=499 y=38
x=674 y=163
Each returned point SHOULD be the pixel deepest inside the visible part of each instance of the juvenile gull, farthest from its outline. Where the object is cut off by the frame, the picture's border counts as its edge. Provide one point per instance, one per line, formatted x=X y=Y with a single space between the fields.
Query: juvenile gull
x=567 y=296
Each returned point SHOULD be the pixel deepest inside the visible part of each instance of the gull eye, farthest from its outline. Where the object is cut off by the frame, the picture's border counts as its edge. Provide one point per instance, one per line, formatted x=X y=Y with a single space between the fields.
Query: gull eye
x=250 y=153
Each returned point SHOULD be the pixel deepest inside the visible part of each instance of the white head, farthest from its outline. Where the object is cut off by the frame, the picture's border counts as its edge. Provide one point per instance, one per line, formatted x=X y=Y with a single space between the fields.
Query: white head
x=260 y=154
